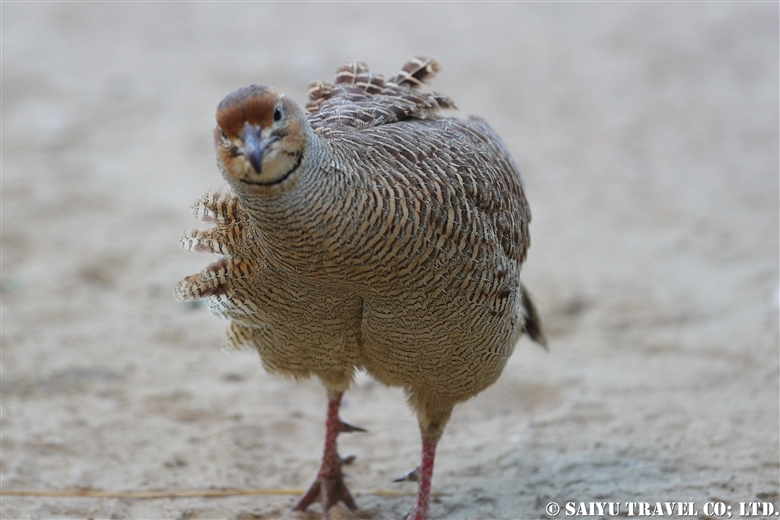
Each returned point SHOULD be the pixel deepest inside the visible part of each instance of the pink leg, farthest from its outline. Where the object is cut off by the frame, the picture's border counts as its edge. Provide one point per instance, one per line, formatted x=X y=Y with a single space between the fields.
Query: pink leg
x=425 y=473
x=329 y=485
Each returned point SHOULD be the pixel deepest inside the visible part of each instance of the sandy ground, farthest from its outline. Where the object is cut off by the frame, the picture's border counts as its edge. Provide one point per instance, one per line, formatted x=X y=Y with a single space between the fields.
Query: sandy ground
x=648 y=138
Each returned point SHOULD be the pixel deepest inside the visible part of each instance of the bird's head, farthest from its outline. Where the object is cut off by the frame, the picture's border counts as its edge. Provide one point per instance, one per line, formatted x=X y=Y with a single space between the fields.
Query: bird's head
x=260 y=136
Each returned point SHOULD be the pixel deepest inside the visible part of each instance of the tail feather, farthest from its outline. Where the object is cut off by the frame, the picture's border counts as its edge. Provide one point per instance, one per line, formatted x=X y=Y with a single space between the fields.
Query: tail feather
x=230 y=238
x=356 y=73
x=211 y=281
x=217 y=205
x=204 y=242
x=416 y=71
x=533 y=323
x=359 y=99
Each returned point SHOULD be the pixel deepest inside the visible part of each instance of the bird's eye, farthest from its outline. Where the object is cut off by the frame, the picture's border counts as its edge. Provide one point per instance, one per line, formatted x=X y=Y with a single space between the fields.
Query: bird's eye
x=277 y=114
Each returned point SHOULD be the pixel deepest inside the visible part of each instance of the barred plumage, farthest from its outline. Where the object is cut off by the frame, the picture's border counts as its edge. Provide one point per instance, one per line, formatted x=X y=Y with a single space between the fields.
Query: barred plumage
x=370 y=234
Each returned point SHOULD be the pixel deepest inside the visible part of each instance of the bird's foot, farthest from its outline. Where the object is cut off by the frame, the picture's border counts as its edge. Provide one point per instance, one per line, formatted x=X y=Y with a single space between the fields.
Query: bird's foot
x=415 y=514
x=328 y=489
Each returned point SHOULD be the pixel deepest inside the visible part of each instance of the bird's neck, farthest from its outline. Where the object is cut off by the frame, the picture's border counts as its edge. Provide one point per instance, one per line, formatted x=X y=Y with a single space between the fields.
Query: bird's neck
x=296 y=218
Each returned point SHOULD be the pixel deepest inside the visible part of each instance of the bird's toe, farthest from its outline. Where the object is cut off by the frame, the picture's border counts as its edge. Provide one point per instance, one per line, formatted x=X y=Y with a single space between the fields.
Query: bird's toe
x=411 y=476
x=347 y=427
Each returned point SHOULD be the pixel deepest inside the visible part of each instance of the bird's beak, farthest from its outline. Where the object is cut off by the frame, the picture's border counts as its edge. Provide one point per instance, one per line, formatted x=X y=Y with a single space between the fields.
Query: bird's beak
x=254 y=145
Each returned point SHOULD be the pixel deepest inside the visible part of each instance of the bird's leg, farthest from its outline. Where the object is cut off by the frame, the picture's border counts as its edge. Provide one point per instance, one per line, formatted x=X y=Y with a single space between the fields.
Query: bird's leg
x=329 y=485
x=423 y=475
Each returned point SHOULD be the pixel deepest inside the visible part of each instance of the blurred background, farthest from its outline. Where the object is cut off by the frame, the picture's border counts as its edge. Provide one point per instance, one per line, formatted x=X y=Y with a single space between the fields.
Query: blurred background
x=647 y=134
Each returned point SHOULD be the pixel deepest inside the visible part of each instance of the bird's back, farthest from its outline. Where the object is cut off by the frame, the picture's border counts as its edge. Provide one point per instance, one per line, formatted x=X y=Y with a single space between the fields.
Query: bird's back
x=393 y=146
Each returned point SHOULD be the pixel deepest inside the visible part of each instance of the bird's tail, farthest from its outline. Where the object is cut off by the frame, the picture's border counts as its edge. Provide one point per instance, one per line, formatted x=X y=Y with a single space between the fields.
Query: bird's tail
x=228 y=239
x=533 y=323
x=356 y=83
x=416 y=71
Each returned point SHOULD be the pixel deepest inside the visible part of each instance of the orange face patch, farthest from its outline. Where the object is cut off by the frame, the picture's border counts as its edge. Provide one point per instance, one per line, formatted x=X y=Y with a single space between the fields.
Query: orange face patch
x=253 y=104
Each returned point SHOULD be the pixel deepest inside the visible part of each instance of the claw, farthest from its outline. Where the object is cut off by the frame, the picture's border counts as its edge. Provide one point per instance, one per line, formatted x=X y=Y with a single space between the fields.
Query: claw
x=347 y=427
x=412 y=476
x=328 y=492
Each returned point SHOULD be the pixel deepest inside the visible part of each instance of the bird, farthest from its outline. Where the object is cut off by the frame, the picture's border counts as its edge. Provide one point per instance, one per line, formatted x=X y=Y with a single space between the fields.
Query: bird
x=367 y=232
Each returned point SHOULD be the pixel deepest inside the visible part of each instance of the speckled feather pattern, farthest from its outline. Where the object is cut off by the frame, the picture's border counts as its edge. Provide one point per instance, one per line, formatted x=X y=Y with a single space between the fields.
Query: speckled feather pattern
x=396 y=248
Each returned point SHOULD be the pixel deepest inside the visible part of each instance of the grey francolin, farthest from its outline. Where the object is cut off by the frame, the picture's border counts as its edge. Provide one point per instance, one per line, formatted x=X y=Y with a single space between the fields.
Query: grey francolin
x=367 y=234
